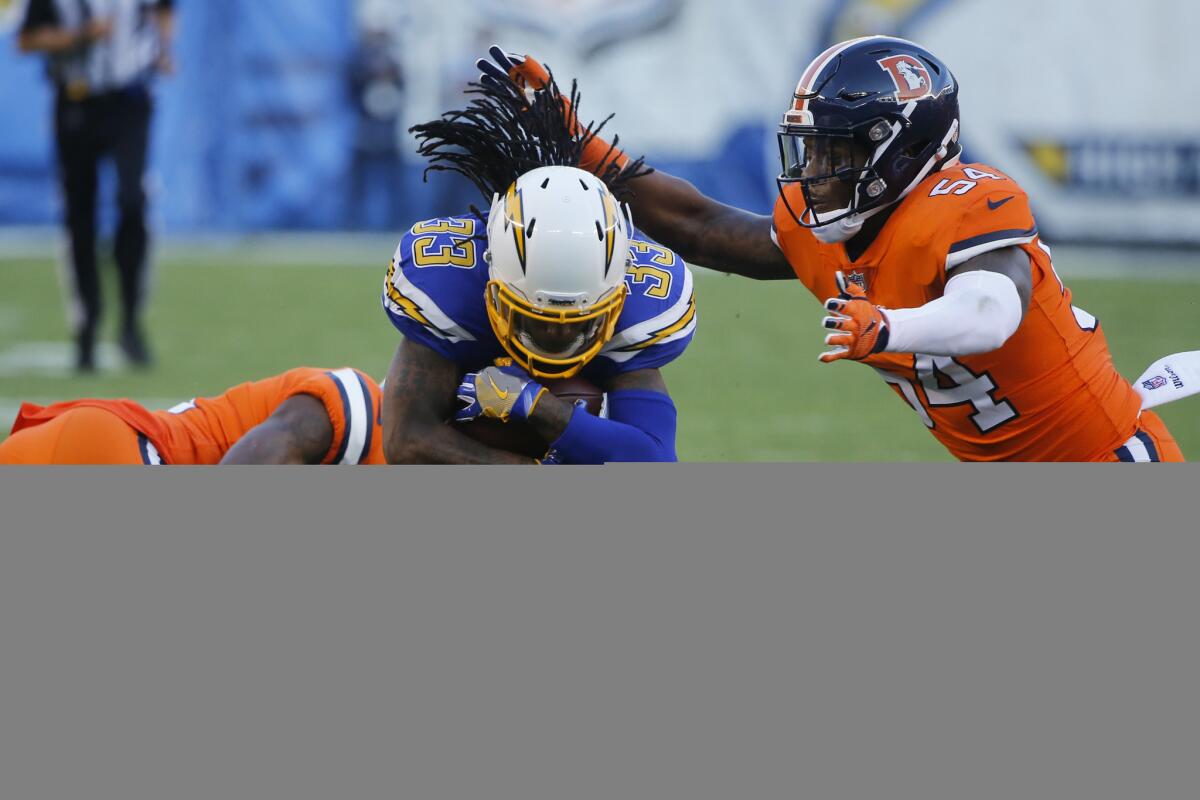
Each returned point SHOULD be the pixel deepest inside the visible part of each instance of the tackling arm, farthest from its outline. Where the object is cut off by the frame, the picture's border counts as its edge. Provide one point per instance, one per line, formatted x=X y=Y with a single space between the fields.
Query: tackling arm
x=701 y=230
x=706 y=232
x=298 y=432
x=983 y=305
x=418 y=399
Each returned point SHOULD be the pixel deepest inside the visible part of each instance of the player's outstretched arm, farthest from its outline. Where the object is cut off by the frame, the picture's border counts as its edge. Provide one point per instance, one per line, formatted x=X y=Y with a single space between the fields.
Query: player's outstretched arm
x=420 y=395
x=983 y=304
x=298 y=432
x=706 y=232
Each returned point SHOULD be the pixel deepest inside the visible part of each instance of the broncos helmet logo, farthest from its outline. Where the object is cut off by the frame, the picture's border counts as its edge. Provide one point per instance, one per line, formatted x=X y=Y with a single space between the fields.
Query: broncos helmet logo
x=910 y=76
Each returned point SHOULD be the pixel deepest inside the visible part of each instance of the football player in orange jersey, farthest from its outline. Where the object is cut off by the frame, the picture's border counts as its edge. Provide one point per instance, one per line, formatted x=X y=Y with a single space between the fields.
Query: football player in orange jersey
x=933 y=269
x=302 y=416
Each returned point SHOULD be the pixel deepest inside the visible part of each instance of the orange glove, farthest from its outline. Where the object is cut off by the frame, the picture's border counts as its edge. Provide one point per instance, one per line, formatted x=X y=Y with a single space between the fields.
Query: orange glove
x=862 y=327
x=528 y=75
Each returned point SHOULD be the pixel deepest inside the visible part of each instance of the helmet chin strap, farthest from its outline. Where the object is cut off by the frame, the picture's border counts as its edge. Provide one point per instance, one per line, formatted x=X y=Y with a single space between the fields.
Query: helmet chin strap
x=839 y=230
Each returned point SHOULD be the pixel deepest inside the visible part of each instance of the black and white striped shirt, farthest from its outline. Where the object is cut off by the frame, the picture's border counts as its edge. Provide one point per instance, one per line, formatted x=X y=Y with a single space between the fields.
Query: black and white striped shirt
x=124 y=59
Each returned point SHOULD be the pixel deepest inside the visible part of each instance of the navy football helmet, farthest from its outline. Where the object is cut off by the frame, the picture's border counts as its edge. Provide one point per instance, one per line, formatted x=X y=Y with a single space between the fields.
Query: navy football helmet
x=870 y=119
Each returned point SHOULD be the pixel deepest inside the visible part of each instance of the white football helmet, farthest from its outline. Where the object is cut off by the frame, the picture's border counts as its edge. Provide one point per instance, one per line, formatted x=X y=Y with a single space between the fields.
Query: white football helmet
x=558 y=248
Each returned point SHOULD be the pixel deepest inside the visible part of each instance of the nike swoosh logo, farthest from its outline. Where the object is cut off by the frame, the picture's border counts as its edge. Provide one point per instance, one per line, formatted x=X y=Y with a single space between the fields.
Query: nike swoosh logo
x=502 y=395
x=994 y=205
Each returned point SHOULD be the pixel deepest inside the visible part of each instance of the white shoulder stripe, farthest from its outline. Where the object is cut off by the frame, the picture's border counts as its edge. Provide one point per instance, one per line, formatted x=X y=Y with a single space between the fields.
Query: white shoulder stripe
x=957 y=258
x=644 y=330
x=358 y=417
x=683 y=332
x=446 y=327
x=621 y=356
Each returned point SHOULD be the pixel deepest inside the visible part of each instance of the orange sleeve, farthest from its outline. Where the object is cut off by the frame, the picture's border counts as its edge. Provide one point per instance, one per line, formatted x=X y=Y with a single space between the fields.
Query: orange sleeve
x=797 y=243
x=353 y=402
x=993 y=215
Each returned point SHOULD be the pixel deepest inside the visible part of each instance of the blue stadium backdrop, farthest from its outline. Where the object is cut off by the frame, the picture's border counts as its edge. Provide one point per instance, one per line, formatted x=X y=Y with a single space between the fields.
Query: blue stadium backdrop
x=279 y=117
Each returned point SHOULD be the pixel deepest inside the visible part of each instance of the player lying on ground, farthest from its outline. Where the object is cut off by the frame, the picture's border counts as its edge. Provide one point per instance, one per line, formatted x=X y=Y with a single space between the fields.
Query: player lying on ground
x=303 y=416
x=932 y=269
x=553 y=278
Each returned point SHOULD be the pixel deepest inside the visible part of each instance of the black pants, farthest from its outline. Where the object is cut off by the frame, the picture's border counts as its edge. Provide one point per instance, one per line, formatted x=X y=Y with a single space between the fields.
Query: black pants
x=115 y=124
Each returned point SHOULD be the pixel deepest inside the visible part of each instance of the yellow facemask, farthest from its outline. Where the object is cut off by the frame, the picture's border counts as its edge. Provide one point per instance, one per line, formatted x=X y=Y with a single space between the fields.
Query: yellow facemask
x=550 y=343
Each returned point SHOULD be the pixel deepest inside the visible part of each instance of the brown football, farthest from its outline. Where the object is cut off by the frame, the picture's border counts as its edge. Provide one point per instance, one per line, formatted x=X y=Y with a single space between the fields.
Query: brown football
x=519 y=437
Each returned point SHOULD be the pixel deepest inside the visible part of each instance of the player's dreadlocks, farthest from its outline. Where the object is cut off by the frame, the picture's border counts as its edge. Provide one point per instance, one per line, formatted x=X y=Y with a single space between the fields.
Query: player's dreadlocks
x=502 y=134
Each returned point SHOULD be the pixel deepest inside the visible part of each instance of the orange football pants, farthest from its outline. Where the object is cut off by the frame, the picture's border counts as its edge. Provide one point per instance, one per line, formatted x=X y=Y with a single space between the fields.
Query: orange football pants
x=82 y=435
x=1151 y=442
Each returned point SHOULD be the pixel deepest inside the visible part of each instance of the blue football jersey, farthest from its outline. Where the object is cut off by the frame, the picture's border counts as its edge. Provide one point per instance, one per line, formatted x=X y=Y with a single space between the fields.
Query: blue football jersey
x=434 y=294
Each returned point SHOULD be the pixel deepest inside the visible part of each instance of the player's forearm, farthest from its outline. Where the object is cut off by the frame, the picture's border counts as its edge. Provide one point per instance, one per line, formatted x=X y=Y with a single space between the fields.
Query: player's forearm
x=550 y=416
x=421 y=387
x=284 y=439
x=50 y=40
x=299 y=431
x=641 y=428
x=441 y=444
x=164 y=21
x=977 y=314
x=704 y=231
x=263 y=450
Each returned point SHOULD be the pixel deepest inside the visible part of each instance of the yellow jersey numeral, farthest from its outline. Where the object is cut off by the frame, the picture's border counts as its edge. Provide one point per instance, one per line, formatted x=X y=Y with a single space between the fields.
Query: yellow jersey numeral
x=427 y=253
x=659 y=277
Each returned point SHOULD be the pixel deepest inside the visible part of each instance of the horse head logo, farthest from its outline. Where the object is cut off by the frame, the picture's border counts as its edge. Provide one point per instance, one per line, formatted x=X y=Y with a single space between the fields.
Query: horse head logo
x=910 y=76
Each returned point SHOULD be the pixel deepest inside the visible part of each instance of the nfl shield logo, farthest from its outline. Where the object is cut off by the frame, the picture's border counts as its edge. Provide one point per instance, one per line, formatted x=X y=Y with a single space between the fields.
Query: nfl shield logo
x=858 y=278
x=1157 y=382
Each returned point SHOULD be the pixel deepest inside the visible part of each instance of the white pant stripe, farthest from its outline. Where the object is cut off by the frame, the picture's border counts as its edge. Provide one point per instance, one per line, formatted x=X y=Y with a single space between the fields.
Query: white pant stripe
x=1137 y=449
x=357 y=418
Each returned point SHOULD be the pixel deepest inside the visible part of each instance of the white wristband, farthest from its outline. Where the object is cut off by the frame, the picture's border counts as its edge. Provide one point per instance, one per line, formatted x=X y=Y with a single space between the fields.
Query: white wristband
x=977 y=313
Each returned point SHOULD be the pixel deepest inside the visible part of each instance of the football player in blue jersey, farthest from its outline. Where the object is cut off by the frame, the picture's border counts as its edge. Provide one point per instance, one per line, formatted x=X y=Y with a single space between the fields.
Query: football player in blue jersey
x=552 y=282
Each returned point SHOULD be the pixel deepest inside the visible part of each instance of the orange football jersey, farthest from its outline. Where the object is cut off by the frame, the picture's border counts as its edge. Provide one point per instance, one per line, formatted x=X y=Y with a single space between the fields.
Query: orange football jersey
x=202 y=430
x=1050 y=393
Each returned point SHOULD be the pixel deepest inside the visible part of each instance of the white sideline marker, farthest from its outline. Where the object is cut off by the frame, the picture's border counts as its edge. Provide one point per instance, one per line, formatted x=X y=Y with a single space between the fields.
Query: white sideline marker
x=1171 y=378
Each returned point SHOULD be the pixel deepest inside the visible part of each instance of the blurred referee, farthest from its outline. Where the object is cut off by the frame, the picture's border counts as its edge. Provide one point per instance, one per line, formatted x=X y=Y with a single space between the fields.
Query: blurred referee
x=101 y=56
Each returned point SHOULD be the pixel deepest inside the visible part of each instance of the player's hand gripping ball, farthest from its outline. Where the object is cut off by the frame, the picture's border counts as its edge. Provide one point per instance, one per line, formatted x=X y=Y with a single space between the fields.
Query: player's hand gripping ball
x=516 y=436
x=503 y=391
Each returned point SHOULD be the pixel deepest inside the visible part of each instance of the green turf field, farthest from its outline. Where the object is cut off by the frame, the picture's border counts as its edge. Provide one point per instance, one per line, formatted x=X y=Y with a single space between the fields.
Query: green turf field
x=748 y=389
